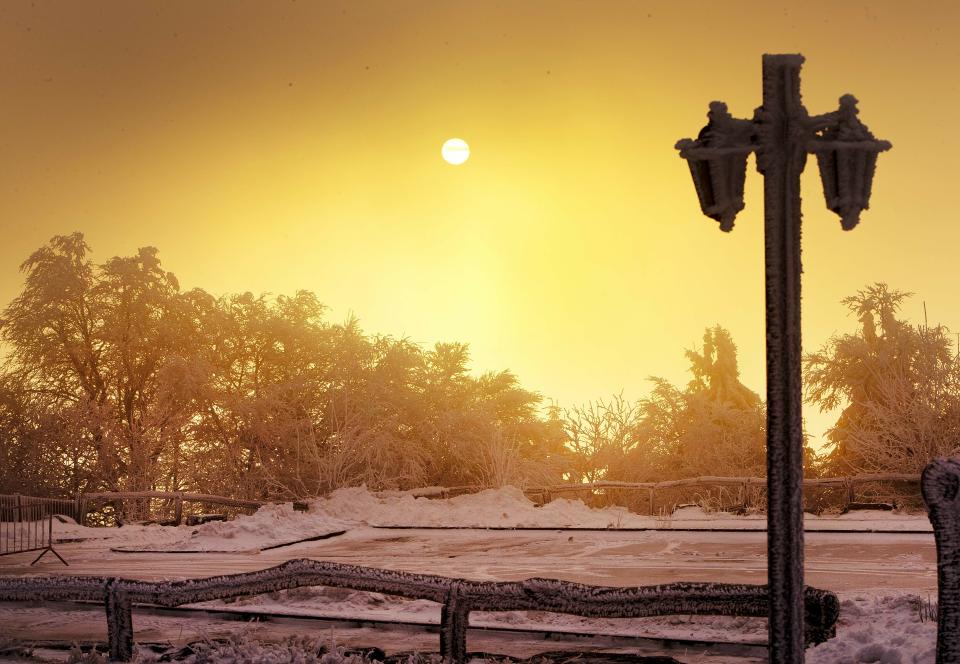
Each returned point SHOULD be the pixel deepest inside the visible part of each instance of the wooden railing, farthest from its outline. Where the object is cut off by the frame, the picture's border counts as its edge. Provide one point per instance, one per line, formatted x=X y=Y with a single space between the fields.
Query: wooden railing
x=744 y=483
x=546 y=493
x=458 y=597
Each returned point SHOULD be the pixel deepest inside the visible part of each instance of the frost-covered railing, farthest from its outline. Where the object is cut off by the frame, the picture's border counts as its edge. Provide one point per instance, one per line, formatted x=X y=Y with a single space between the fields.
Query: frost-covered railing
x=458 y=597
x=941 y=492
x=847 y=483
x=547 y=493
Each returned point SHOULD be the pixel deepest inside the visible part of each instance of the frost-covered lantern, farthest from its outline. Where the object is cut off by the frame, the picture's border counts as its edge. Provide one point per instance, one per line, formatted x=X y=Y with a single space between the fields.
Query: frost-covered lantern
x=718 y=163
x=847 y=156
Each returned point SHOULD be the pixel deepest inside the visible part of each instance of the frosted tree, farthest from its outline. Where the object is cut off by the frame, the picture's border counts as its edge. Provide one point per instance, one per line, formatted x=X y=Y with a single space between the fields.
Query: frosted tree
x=716 y=426
x=898 y=386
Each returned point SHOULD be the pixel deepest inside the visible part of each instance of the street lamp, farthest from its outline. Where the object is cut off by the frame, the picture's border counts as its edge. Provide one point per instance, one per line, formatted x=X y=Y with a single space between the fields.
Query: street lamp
x=781 y=133
x=718 y=163
x=847 y=156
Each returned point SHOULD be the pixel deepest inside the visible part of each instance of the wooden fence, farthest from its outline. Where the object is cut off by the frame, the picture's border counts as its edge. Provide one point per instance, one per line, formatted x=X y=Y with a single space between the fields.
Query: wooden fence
x=81 y=505
x=744 y=484
x=457 y=597
x=545 y=494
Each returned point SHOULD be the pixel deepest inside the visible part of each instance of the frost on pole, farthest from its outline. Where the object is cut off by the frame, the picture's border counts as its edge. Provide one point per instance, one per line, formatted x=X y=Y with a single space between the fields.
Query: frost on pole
x=941 y=493
x=782 y=134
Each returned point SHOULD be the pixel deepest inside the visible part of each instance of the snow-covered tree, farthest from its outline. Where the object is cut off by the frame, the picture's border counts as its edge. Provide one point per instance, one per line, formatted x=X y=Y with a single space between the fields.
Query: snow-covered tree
x=898 y=385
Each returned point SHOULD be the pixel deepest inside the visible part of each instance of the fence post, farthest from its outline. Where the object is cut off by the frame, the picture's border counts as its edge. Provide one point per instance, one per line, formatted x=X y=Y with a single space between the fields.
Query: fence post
x=19 y=508
x=119 y=622
x=178 y=508
x=745 y=503
x=82 y=511
x=653 y=511
x=941 y=486
x=454 y=618
x=850 y=496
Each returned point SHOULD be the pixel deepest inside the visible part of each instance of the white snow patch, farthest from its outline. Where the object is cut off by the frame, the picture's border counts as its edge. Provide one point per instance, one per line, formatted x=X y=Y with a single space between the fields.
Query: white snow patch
x=884 y=629
x=269 y=526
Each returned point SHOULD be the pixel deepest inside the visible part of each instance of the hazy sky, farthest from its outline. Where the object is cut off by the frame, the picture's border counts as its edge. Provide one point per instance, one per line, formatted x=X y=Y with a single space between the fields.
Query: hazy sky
x=274 y=146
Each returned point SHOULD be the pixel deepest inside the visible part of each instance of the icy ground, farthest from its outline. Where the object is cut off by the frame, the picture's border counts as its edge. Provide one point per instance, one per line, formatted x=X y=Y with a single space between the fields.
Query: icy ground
x=878 y=576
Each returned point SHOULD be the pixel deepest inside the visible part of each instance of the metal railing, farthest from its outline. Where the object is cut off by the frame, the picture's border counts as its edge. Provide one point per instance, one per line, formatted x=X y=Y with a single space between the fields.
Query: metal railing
x=458 y=597
x=26 y=524
x=174 y=505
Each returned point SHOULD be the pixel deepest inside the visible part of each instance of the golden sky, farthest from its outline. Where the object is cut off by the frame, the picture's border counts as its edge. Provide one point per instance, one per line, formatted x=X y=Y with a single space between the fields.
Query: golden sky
x=273 y=146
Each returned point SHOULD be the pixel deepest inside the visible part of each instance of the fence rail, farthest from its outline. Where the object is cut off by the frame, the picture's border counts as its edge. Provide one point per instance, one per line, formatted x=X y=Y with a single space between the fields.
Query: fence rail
x=458 y=597
x=546 y=493
x=848 y=483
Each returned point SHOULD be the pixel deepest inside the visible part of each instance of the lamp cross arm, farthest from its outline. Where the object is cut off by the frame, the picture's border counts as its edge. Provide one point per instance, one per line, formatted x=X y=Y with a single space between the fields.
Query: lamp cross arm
x=722 y=135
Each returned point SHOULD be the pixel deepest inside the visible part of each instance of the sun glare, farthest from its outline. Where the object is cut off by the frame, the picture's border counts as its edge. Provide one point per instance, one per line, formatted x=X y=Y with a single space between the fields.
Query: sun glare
x=455 y=151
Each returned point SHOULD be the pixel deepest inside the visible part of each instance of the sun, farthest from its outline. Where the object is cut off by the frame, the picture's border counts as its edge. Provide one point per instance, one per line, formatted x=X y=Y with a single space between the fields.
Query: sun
x=455 y=151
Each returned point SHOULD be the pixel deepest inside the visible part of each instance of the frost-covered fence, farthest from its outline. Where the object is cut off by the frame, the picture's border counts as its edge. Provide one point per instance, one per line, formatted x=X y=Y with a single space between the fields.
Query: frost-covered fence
x=941 y=492
x=26 y=524
x=176 y=507
x=458 y=597
x=744 y=484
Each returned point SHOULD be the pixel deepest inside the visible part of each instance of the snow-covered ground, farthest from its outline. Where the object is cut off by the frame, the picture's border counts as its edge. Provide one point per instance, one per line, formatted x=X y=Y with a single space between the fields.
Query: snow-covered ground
x=879 y=629
x=878 y=576
x=275 y=525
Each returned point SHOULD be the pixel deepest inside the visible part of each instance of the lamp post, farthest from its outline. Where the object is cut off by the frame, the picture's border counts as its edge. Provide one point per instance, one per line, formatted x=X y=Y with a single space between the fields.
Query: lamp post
x=781 y=133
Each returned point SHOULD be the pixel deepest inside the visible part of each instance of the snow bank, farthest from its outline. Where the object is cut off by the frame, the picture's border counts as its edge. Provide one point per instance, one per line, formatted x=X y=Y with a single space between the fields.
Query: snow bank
x=507 y=507
x=269 y=526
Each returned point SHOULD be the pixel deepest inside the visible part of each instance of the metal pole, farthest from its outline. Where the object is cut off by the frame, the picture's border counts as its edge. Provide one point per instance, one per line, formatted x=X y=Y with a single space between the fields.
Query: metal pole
x=781 y=158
